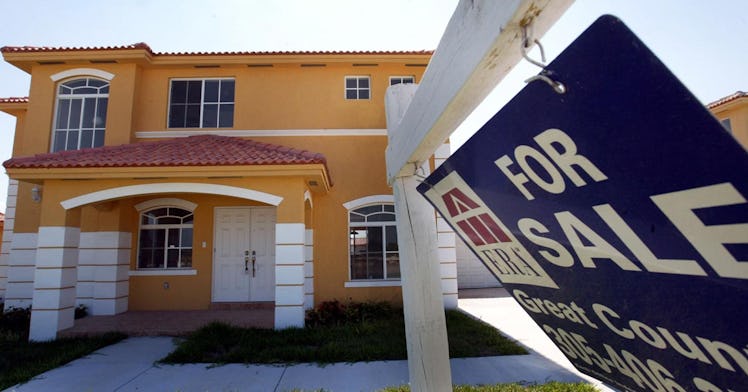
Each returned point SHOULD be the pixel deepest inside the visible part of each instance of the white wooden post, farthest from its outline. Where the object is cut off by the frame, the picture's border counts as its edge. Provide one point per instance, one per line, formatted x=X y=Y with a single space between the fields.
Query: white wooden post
x=479 y=47
x=425 y=328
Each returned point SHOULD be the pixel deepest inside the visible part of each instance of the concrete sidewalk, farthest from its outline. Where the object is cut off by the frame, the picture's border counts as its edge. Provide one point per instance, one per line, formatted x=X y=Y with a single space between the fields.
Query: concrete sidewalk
x=130 y=365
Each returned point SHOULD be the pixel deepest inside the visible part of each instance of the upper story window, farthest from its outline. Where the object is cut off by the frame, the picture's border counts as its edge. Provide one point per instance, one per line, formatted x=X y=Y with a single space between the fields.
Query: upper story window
x=81 y=114
x=165 y=238
x=357 y=87
x=373 y=243
x=401 y=79
x=201 y=103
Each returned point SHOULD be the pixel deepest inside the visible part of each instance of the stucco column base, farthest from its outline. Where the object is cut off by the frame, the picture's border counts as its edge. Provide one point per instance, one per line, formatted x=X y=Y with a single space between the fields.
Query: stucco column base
x=290 y=239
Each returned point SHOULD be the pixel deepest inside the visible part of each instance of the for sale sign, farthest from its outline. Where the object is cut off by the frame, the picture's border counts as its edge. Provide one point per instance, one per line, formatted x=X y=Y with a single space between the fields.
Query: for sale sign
x=616 y=215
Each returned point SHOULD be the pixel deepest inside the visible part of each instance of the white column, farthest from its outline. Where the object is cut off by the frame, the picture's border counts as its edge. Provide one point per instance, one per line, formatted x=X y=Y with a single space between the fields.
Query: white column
x=447 y=245
x=289 y=275
x=10 y=218
x=103 y=282
x=54 y=281
x=19 y=290
x=309 y=269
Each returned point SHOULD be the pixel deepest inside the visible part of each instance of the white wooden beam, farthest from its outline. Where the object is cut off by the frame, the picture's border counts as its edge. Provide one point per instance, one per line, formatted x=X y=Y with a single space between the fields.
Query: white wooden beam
x=425 y=325
x=479 y=47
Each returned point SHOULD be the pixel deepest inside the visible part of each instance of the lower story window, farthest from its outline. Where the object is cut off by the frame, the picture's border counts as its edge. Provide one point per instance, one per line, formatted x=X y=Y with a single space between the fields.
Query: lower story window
x=373 y=243
x=165 y=239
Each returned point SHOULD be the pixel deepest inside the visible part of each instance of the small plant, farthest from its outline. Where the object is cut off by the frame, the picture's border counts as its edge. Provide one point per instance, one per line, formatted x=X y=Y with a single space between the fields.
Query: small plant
x=15 y=322
x=332 y=313
x=81 y=311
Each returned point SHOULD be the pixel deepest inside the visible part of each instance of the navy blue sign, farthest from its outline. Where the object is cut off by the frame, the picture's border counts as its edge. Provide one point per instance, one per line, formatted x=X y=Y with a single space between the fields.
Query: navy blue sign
x=616 y=215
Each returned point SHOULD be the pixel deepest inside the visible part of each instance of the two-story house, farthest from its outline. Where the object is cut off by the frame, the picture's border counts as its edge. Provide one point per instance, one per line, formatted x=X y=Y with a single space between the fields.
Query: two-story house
x=732 y=112
x=174 y=181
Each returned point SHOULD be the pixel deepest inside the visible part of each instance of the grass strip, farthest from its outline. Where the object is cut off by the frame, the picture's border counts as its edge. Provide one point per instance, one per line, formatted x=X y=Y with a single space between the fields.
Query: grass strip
x=552 y=386
x=20 y=360
x=378 y=339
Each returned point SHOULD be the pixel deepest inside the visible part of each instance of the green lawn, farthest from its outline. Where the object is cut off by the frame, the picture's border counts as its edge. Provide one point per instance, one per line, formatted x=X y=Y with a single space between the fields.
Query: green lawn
x=547 y=387
x=357 y=335
x=20 y=360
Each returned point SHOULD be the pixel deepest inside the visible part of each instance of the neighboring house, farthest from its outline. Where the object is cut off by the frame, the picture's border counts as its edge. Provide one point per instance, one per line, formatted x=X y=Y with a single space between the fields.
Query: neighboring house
x=732 y=112
x=144 y=181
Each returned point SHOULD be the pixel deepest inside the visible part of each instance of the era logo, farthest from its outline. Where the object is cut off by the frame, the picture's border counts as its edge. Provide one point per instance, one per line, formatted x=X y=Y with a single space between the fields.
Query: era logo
x=467 y=214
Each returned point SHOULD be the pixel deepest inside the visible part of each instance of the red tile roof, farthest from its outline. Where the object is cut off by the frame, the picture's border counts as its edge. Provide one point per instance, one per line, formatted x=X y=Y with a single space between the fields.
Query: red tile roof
x=202 y=150
x=15 y=100
x=729 y=98
x=144 y=46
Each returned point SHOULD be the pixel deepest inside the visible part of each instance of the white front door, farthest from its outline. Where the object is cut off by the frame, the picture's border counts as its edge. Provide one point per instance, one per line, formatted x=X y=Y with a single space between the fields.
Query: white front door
x=241 y=236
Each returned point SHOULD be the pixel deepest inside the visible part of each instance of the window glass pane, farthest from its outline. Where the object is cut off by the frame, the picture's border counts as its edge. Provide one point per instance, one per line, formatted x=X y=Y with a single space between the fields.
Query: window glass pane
x=169 y=220
x=86 y=138
x=185 y=260
x=389 y=208
x=374 y=266
x=368 y=209
x=63 y=110
x=358 y=252
x=210 y=116
x=89 y=107
x=59 y=141
x=98 y=138
x=150 y=258
x=374 y=240
x=173 y=238
x=226 y=116
x=178 y=212
x=211 y=91
x=409 y=80
x=382 y=217
x=96 y=83
x=159 y=212
x=192 y=118
x=75 y=113
x=350 y=94
x=64 y=90
x=363 y=94
x=104 y=90
x=72 y=140
x=393 y=266
x=363 y=83
x=176 y=116
x=391 y=237
x=101 y=106
x=186 y=238
x=194 y=91
x=178 y=91
x=227 y=91
x=172 y=258
x=350 y=83
x=188 y=219
x=86 y=90
x=76 y=83
x=357 y=218
x=152 y=238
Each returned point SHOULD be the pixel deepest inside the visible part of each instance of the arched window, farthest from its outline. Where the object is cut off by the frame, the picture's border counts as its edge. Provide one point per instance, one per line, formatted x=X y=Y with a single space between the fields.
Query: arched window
x=373 y=243
x=165 y=238
x=81 y=114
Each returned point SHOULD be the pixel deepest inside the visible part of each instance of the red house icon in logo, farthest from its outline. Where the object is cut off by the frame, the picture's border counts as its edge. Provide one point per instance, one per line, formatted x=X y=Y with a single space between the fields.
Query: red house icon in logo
x=480 y=228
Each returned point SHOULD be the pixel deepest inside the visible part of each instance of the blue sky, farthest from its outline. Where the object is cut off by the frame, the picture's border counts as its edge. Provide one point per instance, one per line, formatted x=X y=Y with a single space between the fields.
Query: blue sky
x=703 y=42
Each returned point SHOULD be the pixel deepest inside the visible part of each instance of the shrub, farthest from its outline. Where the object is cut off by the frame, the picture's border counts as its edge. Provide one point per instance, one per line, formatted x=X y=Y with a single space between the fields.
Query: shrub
x=81 y=311
x=331 y=313
x=16 y=321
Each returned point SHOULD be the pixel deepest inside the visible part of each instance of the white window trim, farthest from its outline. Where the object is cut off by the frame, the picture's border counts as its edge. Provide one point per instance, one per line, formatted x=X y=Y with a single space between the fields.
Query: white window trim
x=82 y=72
x=345 y=88
x=401 y=77
x=373 y=199
x=58 y=97
x=166 y=202
x=373 y=283
x=362 y=202
x=141 y=227
x=163 y=272
x=202 y=101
